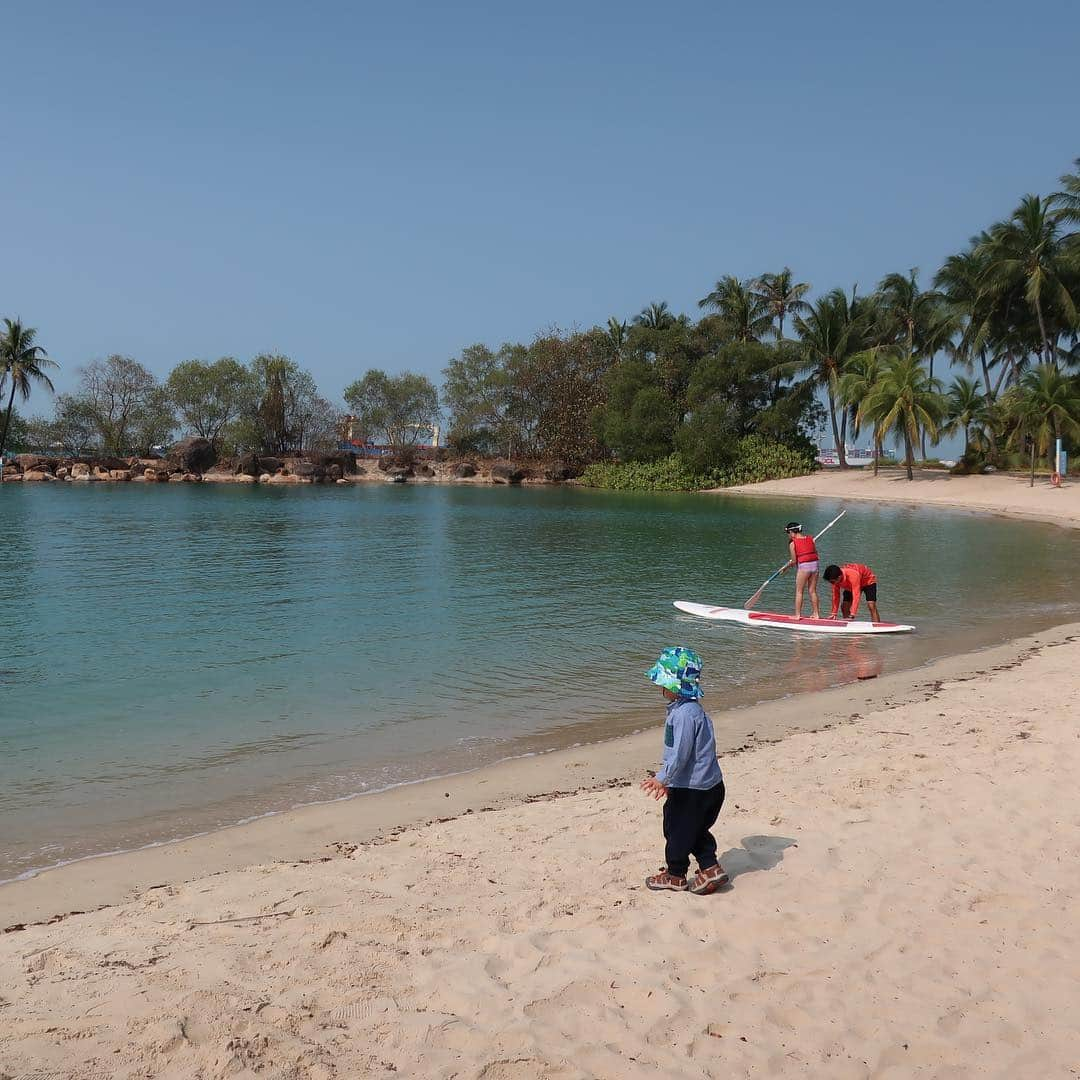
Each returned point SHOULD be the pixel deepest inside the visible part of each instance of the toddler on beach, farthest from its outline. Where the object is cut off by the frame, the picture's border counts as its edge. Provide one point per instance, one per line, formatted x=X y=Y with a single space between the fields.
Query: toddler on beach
x=689 y=780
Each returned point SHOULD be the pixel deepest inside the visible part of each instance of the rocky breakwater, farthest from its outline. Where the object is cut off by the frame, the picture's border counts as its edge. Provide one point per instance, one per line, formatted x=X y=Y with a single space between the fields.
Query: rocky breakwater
x=309 y=468
x=441 y=468
x=185 y=464
x=195 y=460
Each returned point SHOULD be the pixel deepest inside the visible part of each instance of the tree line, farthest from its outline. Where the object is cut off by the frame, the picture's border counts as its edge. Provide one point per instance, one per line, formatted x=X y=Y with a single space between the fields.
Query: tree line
x=762 y=360
x=269 y=405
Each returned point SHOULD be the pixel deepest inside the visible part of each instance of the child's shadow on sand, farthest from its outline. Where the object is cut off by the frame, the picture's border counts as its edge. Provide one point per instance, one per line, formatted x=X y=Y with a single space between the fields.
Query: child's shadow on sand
x=756 y=853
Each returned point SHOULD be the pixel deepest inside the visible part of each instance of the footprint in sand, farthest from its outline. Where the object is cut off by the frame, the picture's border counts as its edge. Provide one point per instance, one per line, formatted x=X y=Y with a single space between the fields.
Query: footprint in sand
x=363 y=1010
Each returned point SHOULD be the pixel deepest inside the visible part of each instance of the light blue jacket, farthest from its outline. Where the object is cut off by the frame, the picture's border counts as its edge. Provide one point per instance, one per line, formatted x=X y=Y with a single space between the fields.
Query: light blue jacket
x=689 y=748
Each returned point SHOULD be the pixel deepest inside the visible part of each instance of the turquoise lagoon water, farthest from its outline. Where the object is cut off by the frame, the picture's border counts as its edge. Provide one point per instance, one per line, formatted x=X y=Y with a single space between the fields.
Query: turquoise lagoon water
x=182 y=657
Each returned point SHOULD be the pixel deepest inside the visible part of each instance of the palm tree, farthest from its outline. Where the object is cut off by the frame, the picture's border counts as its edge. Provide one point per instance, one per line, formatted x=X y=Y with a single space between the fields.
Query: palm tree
x=656 y=316
x=22 y=362
x=829 y=334
x=781 y=296
x=966 y=408
x=1030 y=252
x=615 y=337
x=960 y=280
x=861 y=375
x=1067 y=201
x=917 y=319
x=744 y=313
x=906 y=400
x=1045 y=406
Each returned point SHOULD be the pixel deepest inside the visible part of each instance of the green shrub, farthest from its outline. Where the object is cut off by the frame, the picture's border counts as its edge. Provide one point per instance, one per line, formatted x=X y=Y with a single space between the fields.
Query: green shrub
x=758 y=459
x=666 y=474
x=707 y=441
x=755 y=459
x=638 y=418
x=969 y=463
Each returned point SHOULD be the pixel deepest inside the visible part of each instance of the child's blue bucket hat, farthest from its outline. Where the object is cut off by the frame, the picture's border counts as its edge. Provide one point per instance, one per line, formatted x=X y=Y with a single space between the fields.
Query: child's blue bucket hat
x=678 y=670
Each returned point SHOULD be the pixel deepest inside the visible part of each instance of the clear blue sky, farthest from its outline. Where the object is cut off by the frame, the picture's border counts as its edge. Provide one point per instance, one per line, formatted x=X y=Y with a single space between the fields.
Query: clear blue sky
x=363 y=185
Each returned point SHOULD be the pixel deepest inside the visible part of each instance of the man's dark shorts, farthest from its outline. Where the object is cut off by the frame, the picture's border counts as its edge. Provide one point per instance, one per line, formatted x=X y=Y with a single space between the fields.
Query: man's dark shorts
x=870 y=592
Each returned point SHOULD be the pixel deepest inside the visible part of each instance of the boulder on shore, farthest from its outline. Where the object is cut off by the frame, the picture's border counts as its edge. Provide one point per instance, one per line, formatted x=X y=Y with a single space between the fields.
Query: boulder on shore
x=193 y=455
x=464 y=469
x=34 y=463
x=345 y=462
x=306 y=470
x=557 y=471
x=36 y=476
x=503 y=473
x=248 y=465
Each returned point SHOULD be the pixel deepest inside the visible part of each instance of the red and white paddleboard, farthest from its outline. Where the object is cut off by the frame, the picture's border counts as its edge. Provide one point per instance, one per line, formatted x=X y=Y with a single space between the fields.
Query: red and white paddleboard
x=789 y=622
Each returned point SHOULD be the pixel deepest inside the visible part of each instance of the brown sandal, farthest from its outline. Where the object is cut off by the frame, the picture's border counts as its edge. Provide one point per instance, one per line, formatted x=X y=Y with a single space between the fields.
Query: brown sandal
x=665 y=882
x=709 y=881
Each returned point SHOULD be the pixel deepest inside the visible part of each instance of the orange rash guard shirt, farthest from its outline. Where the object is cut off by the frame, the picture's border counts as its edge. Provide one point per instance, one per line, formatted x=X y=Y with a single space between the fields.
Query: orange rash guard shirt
x=854 y=577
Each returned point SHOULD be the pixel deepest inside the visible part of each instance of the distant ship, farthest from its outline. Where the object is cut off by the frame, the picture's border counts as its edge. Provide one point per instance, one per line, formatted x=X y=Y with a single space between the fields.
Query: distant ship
x=828 y=456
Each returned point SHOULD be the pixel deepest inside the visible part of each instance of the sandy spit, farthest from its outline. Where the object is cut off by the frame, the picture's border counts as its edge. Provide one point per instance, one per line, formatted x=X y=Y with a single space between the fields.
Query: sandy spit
x=905 y=902
x=998 y=493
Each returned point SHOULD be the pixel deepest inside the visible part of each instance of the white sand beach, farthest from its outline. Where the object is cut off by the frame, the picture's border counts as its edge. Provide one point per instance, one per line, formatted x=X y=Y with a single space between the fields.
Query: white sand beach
x=905 y=901
x=997 y=493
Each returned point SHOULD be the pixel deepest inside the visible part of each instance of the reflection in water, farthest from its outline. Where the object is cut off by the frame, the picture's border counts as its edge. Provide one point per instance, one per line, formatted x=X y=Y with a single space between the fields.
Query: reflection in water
x=184 y=656
x=823 y=660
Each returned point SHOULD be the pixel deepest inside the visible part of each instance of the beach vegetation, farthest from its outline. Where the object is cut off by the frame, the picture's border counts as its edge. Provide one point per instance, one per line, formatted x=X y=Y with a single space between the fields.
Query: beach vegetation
x=210 y=396
x=282 y=411
x=1066 y=202
x=782 y=296
x=120 y=407
x=831 y=332
x=862 y=373
x=23 y=365
x=1041 y=408
x=638 y=418
x=1032 y=262
x=916 y=321
x=477 y=396
x=970 y=412
x=395 y=409
x=907 y=400
x=751 y=460
x=743 y=312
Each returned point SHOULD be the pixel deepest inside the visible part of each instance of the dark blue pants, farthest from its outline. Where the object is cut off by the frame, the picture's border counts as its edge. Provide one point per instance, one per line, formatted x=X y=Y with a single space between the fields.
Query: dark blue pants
x=688 y=816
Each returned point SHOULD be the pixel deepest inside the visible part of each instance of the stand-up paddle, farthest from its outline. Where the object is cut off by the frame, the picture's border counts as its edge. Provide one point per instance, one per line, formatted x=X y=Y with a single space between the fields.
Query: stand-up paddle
x=772 y=577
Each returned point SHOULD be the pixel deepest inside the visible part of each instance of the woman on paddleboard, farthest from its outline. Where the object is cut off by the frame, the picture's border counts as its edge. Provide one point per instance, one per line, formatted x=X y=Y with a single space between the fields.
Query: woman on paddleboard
x=804 y=557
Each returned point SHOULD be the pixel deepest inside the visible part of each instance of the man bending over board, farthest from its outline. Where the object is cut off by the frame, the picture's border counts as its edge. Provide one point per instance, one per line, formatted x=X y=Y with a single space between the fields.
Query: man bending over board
x=848 y=582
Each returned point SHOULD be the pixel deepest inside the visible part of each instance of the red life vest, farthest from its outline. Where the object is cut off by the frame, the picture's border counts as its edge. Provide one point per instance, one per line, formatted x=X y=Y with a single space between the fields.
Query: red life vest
x=805 y=551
